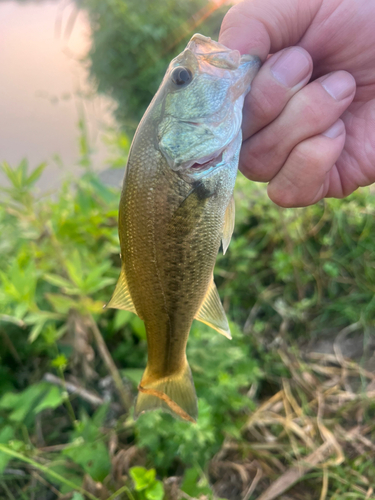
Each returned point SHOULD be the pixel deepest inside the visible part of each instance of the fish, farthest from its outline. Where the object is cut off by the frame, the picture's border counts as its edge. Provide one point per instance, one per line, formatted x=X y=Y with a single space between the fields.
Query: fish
x=176 y=209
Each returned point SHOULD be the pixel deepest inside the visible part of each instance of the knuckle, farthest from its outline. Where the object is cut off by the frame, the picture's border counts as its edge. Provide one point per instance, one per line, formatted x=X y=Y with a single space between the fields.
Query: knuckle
x=303 y=154
x=309 y=112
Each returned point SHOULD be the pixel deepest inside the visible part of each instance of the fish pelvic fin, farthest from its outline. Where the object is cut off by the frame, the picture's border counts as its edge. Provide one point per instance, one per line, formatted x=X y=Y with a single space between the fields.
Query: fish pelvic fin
x=212 y=312
x=121 y=298
x=174 y=394
x=228 y=224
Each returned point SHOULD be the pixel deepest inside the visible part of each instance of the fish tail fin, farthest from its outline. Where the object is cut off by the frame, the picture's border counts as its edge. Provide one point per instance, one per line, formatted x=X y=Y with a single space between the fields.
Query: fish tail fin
x=174 y=394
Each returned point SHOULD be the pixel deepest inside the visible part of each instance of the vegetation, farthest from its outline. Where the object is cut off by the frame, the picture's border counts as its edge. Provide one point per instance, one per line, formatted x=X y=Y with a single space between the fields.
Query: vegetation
x=133 y=43
x=289 y=278
x=286 y=409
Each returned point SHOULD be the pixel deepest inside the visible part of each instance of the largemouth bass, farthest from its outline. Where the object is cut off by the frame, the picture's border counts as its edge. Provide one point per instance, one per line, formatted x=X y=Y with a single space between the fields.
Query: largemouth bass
x=176 y=208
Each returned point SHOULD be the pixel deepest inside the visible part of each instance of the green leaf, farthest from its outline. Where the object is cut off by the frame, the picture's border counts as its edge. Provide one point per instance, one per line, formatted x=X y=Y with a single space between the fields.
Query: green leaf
x=41 y=315
x=56 y=280
x=102 y=283
x=6 y=433
x=35 y=174
x=122 y=318
x=52 y=399
x=92 y=457
x=61 y=303
x=38 y=320
x=36 y=330
x=99 y=416
x=9 y=400
x=74 y=267
x=138 y=327
x=77 y=496
x=133 y=374
x=142 y=477
x=331 y=269
x=23 y=402
x=155 y=491
x=194 y=483
x=68 y=471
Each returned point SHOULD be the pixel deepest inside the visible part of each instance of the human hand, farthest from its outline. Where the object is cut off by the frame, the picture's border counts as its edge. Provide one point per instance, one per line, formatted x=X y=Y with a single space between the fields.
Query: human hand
x=308 y=140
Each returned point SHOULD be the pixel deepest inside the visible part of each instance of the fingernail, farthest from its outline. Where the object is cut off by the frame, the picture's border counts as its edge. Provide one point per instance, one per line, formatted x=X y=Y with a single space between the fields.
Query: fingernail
x=335 y=130
x=339 y=85
x=291 y=67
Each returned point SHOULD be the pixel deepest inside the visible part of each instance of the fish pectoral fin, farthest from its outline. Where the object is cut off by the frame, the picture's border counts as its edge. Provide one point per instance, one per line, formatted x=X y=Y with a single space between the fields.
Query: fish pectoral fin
x=174 y=394
x=212 y=312
x=121 y=298
x=228 y=224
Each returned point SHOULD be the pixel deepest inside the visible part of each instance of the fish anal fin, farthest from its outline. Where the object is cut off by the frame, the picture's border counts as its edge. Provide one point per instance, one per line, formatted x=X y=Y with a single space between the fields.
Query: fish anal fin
x=174 y=394
x=212 y=312
x=228 y=224
x=121 y=298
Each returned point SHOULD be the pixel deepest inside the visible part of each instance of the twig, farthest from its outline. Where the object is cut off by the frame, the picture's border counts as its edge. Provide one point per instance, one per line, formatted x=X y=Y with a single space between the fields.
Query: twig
x=7 y=490
x=11 y=319
x=14 y=472
x=88 y=396
x=124 y=489
x=254 y=484
x=39 y=478
x=293 y=474
x=39 y=431
x=53 y=448
x=324 y=491
x=126 y=398
x=11 y=347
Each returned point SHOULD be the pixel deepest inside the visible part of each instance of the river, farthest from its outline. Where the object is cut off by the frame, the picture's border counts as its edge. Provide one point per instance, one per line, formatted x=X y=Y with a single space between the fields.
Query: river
x=44 y=88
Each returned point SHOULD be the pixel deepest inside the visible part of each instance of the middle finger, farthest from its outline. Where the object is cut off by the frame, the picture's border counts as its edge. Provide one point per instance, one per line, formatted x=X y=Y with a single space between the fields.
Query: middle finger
x=309 y=112
x=280 y=77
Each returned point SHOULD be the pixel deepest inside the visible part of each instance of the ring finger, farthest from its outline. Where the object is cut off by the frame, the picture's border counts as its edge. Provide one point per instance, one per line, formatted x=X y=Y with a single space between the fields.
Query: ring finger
x=309 y=112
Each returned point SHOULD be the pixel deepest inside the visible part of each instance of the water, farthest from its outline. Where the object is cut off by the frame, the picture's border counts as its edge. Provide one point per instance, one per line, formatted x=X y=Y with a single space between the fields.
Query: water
x=44 y=88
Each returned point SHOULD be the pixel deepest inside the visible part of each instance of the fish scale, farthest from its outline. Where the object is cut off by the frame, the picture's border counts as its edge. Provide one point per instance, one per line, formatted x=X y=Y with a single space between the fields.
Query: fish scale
x=175 y=210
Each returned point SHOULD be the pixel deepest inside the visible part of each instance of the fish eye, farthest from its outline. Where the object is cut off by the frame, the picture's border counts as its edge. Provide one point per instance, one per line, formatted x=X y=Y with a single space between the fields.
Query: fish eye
x=181 y=76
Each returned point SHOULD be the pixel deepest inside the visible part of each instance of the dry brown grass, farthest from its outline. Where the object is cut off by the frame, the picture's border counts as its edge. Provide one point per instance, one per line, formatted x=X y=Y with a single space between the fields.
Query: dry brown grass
x=313 y=439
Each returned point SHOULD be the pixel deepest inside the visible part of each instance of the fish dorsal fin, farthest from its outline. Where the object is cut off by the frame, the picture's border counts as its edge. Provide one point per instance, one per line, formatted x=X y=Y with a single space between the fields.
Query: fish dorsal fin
x=228 y=224
x=121 y=298
x=212 y=313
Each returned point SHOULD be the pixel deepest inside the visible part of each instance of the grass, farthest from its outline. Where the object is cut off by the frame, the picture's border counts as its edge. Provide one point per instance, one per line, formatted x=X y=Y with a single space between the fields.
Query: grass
x=286 y=409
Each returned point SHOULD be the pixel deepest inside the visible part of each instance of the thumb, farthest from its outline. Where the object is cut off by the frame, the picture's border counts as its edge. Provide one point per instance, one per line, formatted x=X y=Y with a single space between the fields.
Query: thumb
x=260 y=27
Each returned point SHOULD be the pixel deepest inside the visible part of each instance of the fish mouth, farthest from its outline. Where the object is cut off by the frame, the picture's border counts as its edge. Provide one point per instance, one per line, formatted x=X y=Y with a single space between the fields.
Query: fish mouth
x=205 y=163
x=198 y=168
